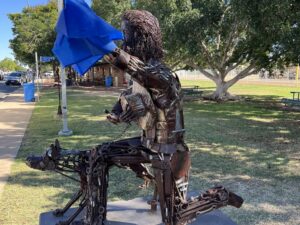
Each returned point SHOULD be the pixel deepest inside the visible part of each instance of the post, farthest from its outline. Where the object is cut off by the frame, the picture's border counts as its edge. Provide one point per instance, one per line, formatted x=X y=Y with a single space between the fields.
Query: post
x=37 y=75
x=65 y=130
x=56 y=75
x=297 y=75
x=60 y=6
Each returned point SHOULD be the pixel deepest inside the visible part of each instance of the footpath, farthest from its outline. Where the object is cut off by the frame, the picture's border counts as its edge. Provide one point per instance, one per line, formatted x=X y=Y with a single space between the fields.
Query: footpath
x=14 y=118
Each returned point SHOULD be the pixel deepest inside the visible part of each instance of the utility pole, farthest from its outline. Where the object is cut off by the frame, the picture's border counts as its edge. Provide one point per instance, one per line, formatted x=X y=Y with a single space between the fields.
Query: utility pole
x=65 y=131
x=57 y=77
x=37 y=75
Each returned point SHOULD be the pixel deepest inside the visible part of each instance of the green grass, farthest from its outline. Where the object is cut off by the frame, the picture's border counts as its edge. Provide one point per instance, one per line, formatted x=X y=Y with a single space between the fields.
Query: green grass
x=244 y=89
x=251 y=146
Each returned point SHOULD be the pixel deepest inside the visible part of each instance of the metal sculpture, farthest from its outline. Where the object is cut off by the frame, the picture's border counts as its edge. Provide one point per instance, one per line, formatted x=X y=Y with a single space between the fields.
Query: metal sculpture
x=154 y=102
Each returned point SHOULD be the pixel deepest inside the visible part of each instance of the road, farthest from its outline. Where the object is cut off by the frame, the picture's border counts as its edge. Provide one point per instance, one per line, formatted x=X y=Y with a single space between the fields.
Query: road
x=5 y=90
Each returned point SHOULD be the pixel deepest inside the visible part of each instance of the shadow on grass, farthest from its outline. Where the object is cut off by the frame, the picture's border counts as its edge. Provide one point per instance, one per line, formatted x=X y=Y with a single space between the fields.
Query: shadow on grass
x=123 y=184
x=259 y=133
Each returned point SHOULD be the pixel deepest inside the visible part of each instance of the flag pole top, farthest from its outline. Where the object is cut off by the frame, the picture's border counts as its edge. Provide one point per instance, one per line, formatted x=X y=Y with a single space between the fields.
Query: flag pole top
x=60 y=5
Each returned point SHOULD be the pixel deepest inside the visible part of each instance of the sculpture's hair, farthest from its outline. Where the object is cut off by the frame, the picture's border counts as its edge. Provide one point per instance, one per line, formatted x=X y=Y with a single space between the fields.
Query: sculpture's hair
x=144 y=38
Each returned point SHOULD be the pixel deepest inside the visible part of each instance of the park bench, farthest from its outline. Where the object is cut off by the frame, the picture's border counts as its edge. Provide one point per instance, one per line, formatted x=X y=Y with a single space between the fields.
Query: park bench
x=292 y=102
x=192 y=92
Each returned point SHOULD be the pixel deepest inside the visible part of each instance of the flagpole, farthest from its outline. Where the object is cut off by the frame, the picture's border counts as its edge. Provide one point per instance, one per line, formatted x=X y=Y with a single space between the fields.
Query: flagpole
x=65 y=130
x=297 y=75
x=37 y=76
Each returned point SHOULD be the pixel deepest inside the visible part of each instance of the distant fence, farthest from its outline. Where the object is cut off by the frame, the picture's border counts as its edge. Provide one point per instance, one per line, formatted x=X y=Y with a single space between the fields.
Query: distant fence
x=197 y=75
x=287 y=75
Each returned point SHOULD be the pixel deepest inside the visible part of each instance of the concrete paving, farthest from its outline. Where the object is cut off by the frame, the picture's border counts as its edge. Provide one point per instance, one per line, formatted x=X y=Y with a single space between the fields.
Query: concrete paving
x=14 y=117
x=137 y=212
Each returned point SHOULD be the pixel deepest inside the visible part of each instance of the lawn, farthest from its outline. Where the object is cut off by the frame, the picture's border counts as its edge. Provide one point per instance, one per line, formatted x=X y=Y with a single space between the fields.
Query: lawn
x=244 y=89
x=250 y=146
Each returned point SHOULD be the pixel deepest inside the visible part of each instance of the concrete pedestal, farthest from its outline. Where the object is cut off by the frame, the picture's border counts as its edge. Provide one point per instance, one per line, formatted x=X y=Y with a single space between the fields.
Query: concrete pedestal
x=137 y=212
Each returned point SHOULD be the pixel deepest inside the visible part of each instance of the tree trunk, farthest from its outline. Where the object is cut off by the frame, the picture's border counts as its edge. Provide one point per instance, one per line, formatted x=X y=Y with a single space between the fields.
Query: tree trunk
x=221 y=93
x=218 y=76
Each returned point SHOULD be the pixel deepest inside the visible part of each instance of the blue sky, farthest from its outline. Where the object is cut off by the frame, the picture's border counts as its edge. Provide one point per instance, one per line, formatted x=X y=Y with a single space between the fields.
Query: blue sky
x=12 y=6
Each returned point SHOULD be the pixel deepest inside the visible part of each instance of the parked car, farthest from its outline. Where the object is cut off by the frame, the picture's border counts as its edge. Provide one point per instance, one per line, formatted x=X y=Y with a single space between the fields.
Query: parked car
x=49 y=74
x=15 y=78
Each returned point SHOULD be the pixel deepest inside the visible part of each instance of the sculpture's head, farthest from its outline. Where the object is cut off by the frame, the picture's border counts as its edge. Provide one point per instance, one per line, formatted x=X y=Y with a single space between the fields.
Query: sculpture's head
x=142 y=35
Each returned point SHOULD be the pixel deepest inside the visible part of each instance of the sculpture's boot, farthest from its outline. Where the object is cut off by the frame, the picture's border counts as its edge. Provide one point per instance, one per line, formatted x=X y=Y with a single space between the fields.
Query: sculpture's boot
x=212 y=199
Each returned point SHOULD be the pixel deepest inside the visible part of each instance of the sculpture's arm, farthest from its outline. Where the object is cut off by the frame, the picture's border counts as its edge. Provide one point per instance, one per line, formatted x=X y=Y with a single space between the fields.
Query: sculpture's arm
x=56 y=159
x=148 y=75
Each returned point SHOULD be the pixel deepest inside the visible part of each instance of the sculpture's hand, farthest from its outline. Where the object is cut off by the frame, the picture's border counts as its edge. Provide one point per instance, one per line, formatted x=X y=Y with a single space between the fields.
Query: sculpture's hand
x=124 y=61
x=44 y=162
x=48 y=161
x=57 y=159
x=128 y=116
x=113 y=118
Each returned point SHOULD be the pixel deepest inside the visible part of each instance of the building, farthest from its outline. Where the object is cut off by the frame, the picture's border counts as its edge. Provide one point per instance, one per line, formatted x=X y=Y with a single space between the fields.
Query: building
x=98 y=73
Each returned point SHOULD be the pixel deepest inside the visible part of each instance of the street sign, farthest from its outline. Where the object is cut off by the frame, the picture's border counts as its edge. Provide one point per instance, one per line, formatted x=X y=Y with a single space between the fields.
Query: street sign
x=46 y=58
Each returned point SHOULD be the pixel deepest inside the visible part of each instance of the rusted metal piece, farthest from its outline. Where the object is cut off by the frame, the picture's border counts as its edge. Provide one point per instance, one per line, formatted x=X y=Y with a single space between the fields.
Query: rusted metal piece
x=212 y=199
x=92 y=167
x=155 y=103
x=142 y=34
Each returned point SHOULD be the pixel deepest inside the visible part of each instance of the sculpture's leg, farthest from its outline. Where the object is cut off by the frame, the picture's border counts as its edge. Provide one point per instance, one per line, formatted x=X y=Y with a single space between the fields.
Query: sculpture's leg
x=69 y=221
x=97 y=183
x=125 y=153
x=103 y=192
x=169 y=192
x=130 y=152
x=180 y=166
x=61 y=212
x=153 y=202
x=142 y=172
x=165 y=187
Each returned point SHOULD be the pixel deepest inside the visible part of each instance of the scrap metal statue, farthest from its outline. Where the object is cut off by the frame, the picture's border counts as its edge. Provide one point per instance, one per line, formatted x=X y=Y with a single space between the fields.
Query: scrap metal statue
x=154 y=102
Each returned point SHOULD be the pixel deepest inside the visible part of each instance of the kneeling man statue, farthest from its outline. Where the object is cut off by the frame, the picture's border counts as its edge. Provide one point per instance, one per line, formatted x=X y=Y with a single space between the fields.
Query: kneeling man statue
x=155 y=102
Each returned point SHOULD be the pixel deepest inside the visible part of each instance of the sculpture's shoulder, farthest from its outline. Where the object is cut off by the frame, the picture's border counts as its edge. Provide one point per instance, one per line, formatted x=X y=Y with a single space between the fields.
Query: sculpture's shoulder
x=160 y=76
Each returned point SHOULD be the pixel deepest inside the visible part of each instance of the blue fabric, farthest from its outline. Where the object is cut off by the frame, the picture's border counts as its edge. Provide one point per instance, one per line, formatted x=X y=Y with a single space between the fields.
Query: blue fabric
x=83 y=38
x=83 y=66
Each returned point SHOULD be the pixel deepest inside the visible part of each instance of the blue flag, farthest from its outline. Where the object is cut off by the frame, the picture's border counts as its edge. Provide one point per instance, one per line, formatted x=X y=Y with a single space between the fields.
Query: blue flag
x=82 y=38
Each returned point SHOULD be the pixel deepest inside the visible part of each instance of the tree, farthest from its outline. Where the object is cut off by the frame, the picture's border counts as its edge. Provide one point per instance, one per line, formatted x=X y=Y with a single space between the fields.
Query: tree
x=290 y=38
x=8 y=64
x=217 y=37
x=33 y=31
x=111 y=10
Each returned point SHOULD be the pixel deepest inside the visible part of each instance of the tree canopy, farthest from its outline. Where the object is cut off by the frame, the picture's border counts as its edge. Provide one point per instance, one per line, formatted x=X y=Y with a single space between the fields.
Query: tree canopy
x=33 y=31
x=111 y=10
x=214 y=36
x=219 y=36
x=8 y=64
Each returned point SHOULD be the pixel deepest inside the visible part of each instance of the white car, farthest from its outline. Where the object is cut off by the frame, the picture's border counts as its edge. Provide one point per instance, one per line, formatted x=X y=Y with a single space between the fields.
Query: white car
x=14 y=78
x=49 y=74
